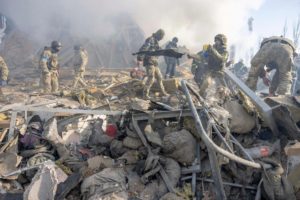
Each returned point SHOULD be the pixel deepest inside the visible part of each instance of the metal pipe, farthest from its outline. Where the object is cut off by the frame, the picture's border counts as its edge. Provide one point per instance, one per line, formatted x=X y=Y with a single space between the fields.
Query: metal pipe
x=237 y=143
x=216 y=174
x=221 y=136
x=208 y=142
x=216 y=128
x=213 y=123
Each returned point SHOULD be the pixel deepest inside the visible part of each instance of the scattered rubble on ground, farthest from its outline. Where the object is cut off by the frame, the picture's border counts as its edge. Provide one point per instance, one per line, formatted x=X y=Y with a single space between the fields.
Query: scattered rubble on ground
x=107 y=142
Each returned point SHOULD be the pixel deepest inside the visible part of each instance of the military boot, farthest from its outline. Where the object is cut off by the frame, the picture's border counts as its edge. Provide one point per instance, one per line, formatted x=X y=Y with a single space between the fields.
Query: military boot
x=146 y=93
x=164 y=93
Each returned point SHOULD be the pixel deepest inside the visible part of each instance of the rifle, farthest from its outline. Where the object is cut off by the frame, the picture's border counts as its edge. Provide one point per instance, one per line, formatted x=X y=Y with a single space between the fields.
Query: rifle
x=161 y=52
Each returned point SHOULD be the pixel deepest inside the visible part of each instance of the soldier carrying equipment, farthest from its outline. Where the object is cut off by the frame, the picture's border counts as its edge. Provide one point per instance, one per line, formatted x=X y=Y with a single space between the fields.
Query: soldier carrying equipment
x=151 y=62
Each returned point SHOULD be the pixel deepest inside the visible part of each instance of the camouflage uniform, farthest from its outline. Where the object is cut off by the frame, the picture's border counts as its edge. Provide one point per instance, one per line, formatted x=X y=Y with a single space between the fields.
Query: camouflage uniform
x=80 y=61
x=151 y=63
x=3 y=75
x=210 y=64
x=49 y=68
x=170 y=61
x=3 y=72
x=275 y=53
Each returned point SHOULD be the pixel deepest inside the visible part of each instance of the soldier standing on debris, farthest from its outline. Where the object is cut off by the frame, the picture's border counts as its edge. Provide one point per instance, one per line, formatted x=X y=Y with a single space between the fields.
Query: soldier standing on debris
x=170 y=61
x=151 y=62
x=3 y=74
x=49 y=66
x=80 y=61
x=274 y=53
x=208 y=64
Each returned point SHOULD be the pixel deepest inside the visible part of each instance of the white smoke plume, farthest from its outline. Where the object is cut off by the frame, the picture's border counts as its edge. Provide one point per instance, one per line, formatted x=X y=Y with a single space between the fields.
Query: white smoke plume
x=194 y=22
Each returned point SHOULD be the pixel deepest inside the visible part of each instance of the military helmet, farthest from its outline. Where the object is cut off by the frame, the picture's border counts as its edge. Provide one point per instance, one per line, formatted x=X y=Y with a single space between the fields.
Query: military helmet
x=56 y=45
x=175 y=39
x=159 y=34
x=77 y=47
x=222 y=38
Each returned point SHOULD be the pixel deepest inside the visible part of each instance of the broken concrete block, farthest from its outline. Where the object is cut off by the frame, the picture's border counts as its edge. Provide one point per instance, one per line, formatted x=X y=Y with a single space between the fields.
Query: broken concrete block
x=292 y=149
x=100 y=162
x=135 y=185
x=132 y=143
x=116 y=148
x=110 y=182
x=9 y=163
x=130 y=157
x=240 y=120
x=180 y=146
x=171 y=85
x=45 y=182
x=293 y=177
x=152 y=136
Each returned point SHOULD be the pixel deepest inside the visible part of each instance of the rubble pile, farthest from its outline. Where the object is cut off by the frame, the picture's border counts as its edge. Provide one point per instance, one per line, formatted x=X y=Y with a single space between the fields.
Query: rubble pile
x=107 y=142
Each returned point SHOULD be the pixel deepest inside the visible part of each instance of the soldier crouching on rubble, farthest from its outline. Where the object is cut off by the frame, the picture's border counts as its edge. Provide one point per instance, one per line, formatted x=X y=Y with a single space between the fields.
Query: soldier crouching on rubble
x=80 y=61
x=208 y=64
x=151 y=62
x=275 y=53
x=49 y=66
x=3 y=74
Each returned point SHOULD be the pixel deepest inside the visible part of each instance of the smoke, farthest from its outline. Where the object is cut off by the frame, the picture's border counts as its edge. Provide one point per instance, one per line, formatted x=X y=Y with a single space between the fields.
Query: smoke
x=194 y=22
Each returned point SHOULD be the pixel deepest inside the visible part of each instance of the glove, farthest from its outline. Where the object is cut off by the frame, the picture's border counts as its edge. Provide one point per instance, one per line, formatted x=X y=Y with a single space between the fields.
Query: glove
x=266 y=81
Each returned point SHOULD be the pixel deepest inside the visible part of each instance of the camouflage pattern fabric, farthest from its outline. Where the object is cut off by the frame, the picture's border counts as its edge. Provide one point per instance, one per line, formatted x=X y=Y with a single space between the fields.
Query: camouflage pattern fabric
x=151 y=64
x=208 y=68
x=280 y=57
x=49 y=68
x=151 y=44
x=80 y=61
x=152 y=73
x=3 y=70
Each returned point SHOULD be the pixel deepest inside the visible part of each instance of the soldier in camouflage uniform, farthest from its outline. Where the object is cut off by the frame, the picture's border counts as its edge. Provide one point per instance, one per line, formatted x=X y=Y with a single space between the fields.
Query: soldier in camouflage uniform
x=274 y=53
x=151 y=62
x=208 y=64
x=3 y=74
x=80 y=61
x=49 y=67
x=170 y=61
